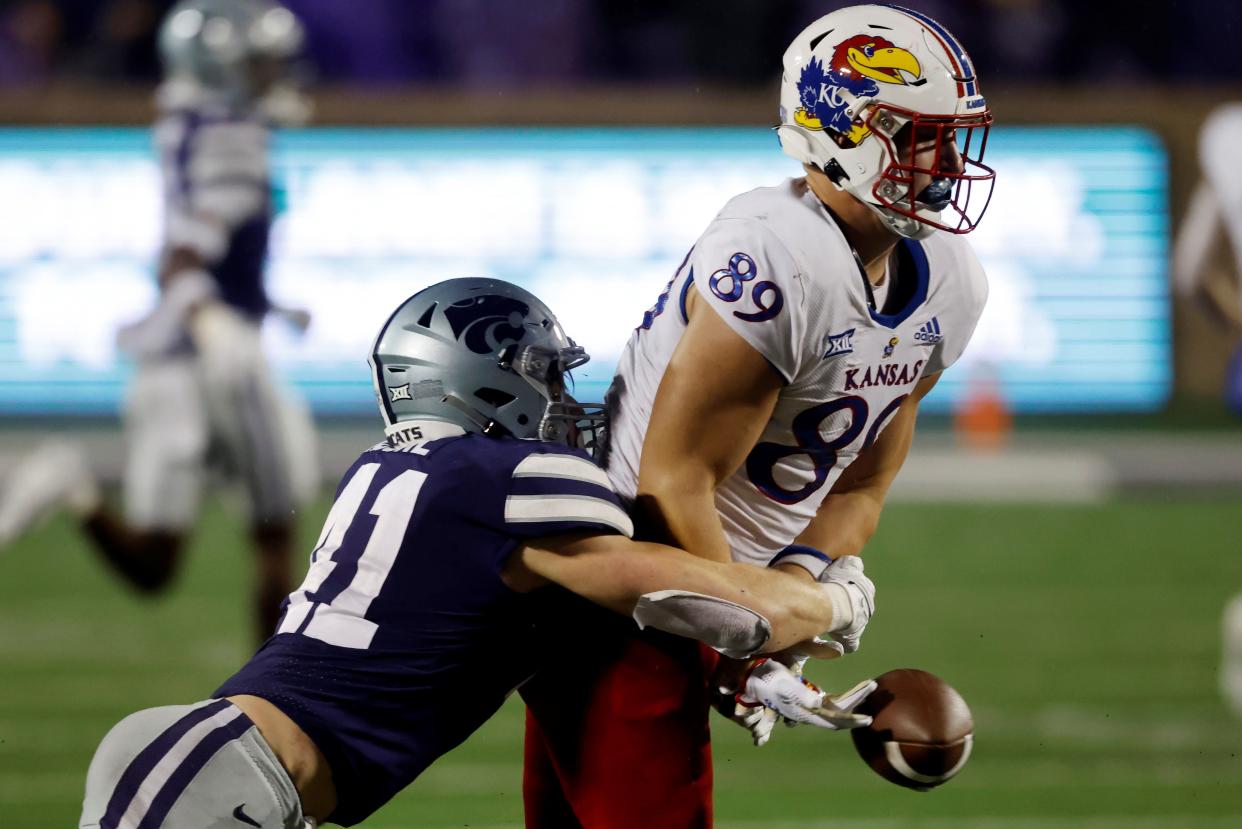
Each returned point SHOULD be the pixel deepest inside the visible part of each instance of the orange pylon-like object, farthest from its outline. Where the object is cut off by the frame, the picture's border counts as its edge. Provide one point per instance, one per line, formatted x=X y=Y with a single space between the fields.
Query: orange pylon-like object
x=982 y=419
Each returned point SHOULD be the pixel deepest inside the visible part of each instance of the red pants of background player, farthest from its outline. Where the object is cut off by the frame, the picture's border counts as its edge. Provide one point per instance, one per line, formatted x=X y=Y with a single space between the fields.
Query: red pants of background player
x=618 y=738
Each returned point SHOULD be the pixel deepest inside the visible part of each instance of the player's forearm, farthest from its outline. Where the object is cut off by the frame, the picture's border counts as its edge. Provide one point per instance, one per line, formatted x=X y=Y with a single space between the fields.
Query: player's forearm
x=178 y=260
x=680 y=509
x=615 y=572
x=850 y=514
x=795 y=607
x=845 y=523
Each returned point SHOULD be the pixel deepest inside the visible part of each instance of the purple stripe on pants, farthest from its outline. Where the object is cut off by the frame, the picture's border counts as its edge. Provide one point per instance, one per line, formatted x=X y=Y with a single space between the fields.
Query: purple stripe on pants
x=141 y=766
x=190 y=767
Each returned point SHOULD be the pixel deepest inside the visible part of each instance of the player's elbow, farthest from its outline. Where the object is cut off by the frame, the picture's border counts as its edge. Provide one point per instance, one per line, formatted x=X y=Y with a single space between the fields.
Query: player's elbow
x=867 y=527
x=666 y=495
x=672 y=482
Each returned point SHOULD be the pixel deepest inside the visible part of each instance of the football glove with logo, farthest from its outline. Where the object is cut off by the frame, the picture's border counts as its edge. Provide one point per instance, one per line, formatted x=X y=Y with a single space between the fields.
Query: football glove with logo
x=777 y=688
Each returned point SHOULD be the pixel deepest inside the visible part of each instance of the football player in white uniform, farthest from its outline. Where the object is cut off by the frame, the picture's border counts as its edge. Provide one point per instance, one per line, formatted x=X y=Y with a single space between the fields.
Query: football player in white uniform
x=768 y=399
x=203 y=391
x=1212 y=223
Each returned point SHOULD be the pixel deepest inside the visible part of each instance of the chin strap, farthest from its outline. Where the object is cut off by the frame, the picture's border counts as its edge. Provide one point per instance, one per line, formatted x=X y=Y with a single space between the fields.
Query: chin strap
x=485 y=425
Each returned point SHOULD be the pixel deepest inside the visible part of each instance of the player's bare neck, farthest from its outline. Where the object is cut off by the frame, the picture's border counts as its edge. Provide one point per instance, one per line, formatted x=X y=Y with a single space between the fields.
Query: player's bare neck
x=868 y=236
x=863 y=229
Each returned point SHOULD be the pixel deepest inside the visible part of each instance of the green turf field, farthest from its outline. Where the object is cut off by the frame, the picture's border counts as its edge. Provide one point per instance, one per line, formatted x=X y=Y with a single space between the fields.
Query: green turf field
x=1085 y=638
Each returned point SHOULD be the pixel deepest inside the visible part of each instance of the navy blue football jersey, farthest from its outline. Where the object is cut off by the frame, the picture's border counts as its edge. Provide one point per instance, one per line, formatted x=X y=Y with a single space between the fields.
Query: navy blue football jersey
x=403 y=640
x=217 y=197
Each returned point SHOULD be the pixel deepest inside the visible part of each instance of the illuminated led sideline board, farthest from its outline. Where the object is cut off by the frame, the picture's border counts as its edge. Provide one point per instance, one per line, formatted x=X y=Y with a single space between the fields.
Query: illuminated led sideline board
x=592 y=220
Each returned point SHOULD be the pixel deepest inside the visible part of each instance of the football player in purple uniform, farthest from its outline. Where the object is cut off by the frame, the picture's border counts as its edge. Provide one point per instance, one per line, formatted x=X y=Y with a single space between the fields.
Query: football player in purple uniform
x=203 y=395
x=431 y=591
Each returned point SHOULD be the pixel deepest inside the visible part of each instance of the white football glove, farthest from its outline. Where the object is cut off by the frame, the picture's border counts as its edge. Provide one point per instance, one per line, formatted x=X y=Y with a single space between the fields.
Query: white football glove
x=755 y=718
x=729 y=680
x=761 y=725
x=778 y=688
x=853 y=599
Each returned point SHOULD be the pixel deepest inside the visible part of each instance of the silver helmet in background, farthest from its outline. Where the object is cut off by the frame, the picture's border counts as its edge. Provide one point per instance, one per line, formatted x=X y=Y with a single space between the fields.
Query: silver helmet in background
x=485 y=355
x=236 y=52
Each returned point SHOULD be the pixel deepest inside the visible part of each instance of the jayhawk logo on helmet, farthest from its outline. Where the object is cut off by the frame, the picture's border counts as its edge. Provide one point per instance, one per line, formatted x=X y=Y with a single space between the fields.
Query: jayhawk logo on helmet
x=859 y=65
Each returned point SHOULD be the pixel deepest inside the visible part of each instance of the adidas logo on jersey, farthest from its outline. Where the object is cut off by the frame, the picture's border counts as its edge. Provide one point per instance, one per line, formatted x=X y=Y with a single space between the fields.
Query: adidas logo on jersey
x=838 y=344
x=929 y=333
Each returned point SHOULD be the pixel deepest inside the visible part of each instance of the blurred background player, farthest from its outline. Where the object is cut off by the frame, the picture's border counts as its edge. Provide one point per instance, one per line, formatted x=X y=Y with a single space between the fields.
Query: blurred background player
x=766 y=403
x=1207 y=266
x=1207 y=255
x=411 y=630
x=203 y=395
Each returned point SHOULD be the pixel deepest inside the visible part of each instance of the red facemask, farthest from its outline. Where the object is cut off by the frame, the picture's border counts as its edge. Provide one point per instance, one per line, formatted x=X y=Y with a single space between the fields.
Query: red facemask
x=959 y=185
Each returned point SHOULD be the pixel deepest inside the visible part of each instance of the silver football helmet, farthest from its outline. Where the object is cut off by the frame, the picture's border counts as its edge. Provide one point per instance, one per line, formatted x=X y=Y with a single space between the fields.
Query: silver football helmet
x=485 y=355
x=239 y=51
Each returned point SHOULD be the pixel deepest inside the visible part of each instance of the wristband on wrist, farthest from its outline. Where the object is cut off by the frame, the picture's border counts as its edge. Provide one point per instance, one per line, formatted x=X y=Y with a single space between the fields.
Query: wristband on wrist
x=810 y=559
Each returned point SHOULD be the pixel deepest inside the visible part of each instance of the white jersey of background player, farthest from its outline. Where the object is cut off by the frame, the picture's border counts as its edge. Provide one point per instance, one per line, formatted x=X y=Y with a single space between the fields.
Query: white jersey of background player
x=203 y=395
x=1213 y=221
x=1215 y=211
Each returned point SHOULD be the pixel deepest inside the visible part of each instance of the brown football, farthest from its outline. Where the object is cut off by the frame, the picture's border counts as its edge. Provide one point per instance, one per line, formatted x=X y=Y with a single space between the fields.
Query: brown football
x=921 y=732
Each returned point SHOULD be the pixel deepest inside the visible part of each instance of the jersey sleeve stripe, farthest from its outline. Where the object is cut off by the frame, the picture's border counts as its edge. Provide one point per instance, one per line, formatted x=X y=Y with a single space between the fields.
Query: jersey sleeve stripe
x=561 y=466
x=528 y=509
x=562 y=488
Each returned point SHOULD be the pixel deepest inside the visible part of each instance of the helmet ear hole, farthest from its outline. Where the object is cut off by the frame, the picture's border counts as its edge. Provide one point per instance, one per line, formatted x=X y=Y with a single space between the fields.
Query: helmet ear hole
x=494 y=397
x=834 y=172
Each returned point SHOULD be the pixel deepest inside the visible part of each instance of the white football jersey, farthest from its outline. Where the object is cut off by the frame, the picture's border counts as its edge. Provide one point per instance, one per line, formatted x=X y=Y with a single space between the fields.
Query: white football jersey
x=774 y=265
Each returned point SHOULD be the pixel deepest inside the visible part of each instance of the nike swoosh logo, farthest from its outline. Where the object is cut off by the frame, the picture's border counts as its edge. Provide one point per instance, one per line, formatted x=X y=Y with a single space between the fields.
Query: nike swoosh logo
x=245 y=818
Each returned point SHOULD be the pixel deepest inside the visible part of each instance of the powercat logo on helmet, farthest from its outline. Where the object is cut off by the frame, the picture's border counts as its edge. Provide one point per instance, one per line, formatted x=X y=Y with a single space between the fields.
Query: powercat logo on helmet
x=858 y=66
x=488 y=322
